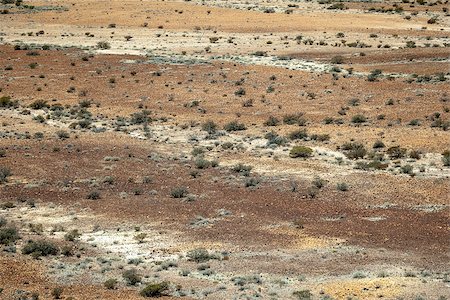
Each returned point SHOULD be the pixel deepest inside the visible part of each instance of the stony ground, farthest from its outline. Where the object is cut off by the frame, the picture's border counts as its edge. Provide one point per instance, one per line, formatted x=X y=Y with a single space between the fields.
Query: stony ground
x=150 y=144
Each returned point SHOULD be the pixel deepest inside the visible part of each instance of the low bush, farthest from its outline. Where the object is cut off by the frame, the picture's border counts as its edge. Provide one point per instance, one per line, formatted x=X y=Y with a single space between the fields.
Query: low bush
x=234 y=126
x=40 y=248
x=155 y=289
x=199 y=255
x=131 y=277
x=242 y=169
x=4 y=174
x=292 y=119
x=354 y=150
x=299 y=134
x=446 y=158
x=342 y=186
x=94 y=195
x=179 y=192
x=110 y=284
x=272 y=121
x=210 y=127
x=300 y=151
x=8 y=235
x=396 y=152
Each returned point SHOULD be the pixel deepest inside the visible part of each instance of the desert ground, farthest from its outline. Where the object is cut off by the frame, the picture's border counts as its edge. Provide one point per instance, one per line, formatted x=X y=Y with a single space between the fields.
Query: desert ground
x=267 y=149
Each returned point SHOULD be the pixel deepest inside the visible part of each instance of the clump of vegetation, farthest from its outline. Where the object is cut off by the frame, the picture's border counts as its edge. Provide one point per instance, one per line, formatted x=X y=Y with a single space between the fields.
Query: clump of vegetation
x=234 y=126
x=210 y=127
x=302 y=295
x=446 y=158
x=272 y=121
x=94 y=195
x=62 y=135
x=292 y=119
x=6 y=102
x=299 y=134
x=359 y=119
x=354 y=150
x=300 y=151
x=72 y=235
x=103 y=45
x=155 y=289
x=242 y=169
x=396 y=152
x=378 y=144
x=199 y=255
x=342 y=186
x=110 y=284
x=179 y=192
x=8 y=235
x=132 y=277
x=40 y=248
x=57 y=292
x=39 y=104
x=4 y=174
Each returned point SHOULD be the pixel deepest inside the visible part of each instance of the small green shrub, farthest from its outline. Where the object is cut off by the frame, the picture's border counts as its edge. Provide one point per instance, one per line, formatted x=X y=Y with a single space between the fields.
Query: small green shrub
x=292 y=119
x=300 y=151
x=4 y=174
x=110 y=284
x=131 y=277
x=199 y=255
x=39 y=104
x=155 y=289
x=62 y=135
x=40 y=248
x=179 y=192
x=342 y=186
x=354 y=150
x=210 y=127
x=358 y=119
x=396 y=152
x=272 y=121
x=72 y=235
x=234 y=126
x=57 y=292
x=302 y=295
x=446 y=158
x=299 y=134
x=94 y=195
x=242 y=169
x=8 y=235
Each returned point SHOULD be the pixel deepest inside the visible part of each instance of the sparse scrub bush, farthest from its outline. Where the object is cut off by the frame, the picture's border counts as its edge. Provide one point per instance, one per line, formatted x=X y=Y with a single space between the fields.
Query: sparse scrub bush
x=8 y=235
x=110 y=284
x=6 y=102
x=354 y=150
x=4 y=174
x=39 y=104
x=131 y=277
x=155 y=289
x=272 y=121
x=72 y=235
x=302 y=295
x=234 y=126
x=179 y=192
x=300 y=151
x=94 y=195
x=57 y=292
x=249 y=182
x=40 y=248
x=358 y=119
x=299 y=134
x=396 y=152
x=378 y=144
x=446 y=158
x=242 y=169
x=342 y=186
x=62 y=134
x=292 y=119
x=199 y=255
x=210 y=127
